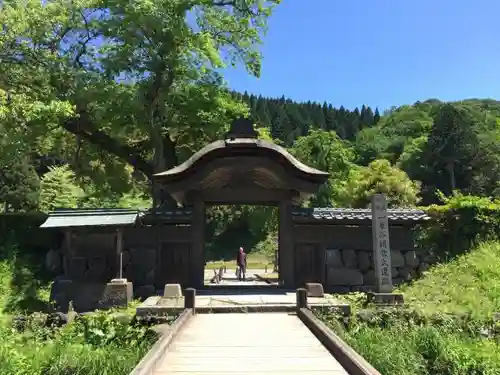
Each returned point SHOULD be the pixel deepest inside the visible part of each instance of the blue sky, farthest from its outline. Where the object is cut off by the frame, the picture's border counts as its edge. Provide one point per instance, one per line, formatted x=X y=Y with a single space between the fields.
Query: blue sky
x=379 y=52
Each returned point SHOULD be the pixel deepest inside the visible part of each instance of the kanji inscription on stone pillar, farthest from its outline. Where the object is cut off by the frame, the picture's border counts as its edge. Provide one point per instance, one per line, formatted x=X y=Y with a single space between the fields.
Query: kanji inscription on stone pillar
x=381 y=245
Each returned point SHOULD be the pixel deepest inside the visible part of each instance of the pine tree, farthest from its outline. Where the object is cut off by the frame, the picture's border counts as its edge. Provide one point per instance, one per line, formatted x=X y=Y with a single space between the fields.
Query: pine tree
x=261 y=115
x=19 y=183
x=366 y=117
x=329 y=114
x=289 y=120
x=376 y=117
x=278 y=124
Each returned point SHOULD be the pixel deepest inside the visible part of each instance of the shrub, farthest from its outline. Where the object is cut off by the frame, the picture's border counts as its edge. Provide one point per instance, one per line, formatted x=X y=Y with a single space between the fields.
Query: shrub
x=380 y=177
x=460 y=223
x=95 y=344
x=99 y=343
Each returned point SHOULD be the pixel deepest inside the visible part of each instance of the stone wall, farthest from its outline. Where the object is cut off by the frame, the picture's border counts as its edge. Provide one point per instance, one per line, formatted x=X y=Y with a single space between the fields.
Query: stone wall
x=352 y=270
x=347 y=253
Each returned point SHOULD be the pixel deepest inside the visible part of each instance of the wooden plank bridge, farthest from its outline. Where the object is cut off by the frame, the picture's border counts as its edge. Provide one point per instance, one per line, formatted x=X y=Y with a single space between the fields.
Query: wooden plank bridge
x=263 y=343
x=272 y=343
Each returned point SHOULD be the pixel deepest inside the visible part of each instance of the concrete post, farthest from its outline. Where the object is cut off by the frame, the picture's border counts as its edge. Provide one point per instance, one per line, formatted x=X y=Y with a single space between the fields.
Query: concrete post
x=301 y=294
x=190 y=298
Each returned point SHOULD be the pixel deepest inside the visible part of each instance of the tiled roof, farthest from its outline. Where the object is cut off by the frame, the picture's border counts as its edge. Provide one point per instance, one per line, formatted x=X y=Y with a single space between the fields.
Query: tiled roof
x=359 y=214
x=90 y=217
x=120 y=217
x=168 y=215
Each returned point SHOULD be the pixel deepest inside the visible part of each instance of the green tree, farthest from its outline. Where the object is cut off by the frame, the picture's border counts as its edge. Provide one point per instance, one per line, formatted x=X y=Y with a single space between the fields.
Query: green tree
x=379 y=177
x=327 y=152
x=141 y=76
x=19 y=183
x=376 y=117
x=452 y=148
x=58 y=189
x=366 y=117
x=279 y=125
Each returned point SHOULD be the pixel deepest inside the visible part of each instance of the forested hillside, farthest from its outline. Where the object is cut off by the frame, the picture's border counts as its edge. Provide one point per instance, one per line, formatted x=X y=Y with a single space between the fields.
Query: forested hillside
x=288 y=120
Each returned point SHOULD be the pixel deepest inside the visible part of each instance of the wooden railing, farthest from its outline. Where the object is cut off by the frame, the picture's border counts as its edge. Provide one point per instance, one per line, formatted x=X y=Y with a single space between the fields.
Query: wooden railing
x=147 y=365
x=343 y=353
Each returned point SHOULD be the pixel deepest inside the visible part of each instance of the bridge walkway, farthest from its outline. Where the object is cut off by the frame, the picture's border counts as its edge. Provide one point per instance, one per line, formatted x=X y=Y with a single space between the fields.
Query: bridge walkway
x=263 y=343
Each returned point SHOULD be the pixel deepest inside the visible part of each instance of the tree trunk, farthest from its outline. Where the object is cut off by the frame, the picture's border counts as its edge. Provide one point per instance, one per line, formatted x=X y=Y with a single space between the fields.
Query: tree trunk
x=450 y=166
x=84 y=127
x=165 y=158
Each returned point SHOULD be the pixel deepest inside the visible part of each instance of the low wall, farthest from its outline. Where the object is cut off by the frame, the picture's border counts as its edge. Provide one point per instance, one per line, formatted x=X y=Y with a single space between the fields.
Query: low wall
x=341 y=257
x=352 y=270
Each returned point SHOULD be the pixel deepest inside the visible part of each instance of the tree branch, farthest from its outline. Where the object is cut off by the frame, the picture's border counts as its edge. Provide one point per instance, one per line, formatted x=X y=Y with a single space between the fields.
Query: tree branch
x=80 y=126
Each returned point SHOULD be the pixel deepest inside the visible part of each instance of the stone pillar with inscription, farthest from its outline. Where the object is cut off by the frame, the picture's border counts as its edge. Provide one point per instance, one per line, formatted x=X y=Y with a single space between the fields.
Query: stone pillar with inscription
x=382 y=253
x=381 y=244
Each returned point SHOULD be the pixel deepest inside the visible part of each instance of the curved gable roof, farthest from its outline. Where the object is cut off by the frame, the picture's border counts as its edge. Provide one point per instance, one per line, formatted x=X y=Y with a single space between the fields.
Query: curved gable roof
x=243 y=146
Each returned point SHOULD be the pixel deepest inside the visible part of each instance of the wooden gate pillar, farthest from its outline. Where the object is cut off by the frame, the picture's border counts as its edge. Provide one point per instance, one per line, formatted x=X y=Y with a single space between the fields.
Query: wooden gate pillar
x=286 y=244
x=197 y=258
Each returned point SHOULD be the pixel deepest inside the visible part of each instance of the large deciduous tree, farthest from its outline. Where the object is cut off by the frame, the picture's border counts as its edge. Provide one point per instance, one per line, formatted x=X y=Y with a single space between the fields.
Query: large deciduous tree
x=380 y=177
x=141 y=77
x=327 y=152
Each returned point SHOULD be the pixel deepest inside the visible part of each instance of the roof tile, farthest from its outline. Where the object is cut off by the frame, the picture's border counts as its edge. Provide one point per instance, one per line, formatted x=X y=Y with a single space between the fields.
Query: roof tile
x=359 y=214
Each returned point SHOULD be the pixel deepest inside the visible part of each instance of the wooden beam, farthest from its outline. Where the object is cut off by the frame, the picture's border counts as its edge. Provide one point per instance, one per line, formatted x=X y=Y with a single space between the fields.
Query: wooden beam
x=197 y=258
x=242 y=195
x=286 y=245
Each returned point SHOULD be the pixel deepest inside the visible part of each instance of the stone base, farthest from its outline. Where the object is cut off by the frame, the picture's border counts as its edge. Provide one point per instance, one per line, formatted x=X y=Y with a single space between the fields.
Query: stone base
x=315 y=290
x=117 y=294
x=385 y=298
x=172 y=291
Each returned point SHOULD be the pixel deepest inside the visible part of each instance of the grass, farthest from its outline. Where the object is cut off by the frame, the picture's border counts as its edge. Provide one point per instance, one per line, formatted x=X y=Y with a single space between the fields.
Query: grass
x=95 y=344
x=449 y=327
x=469 y=284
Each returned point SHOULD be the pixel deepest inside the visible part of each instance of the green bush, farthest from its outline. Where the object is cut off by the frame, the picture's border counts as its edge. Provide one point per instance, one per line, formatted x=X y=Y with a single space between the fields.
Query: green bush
x=24 y=281
x=109 y=342
x=95 y=344
x=460 y=223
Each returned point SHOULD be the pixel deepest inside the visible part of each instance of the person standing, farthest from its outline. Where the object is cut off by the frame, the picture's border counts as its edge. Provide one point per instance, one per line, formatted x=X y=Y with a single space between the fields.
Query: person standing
x=241 y=262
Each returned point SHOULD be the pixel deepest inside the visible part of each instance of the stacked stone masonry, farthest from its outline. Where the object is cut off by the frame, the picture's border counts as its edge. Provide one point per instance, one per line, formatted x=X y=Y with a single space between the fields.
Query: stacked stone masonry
x=352 y=270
